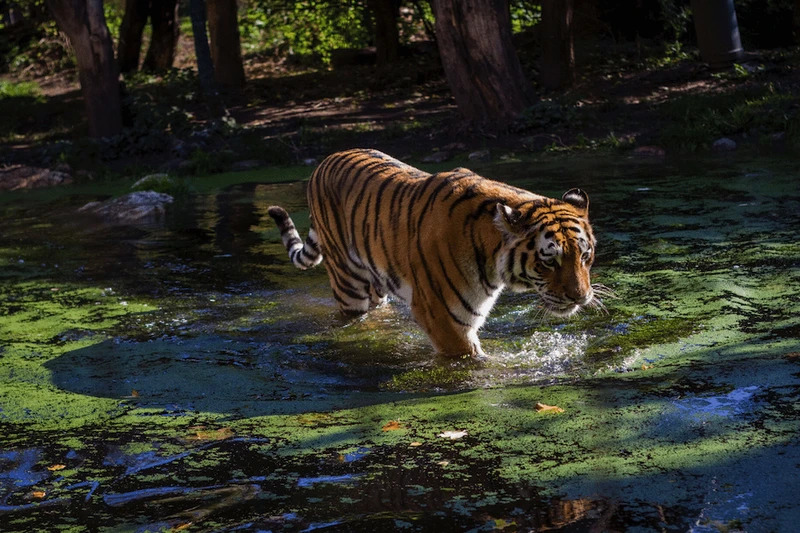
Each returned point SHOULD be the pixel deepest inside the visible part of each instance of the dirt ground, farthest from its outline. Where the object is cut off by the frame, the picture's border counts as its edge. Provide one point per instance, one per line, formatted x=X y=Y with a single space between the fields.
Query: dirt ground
x=407 y=110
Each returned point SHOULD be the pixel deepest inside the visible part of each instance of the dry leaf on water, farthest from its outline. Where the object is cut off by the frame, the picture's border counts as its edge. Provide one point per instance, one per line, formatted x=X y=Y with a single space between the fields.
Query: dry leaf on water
x=542 y=407
x=393 y=425
x=39 y=494
x=212 y=434
x=453 y=435
x=54 y=468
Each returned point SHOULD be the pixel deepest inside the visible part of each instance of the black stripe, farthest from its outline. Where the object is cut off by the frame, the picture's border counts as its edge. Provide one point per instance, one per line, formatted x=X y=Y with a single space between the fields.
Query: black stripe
x=523 y=258
x=481 y=260
x=455 y=290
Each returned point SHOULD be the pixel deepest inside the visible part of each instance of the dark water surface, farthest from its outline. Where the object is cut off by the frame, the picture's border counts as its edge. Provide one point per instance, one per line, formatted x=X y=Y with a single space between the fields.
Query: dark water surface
x=183 y=376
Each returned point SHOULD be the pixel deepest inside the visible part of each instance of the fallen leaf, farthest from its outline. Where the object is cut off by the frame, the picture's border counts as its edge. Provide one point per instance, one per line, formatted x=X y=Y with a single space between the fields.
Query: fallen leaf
x=415 y=444
x=181 y=527
x=647 y=367
x=212 y=434
x=541 y=407
x=54 y=468
x=453 y=435
x=38 y=494
x=134 y=393
x=393 y=425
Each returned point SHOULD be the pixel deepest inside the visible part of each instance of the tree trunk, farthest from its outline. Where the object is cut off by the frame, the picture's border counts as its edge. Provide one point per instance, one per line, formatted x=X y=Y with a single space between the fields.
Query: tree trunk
x=481 y=65
x=226 y=48
x=558 y=48
x=164 y=19
x=387 y=35
x=130 y=34
x=205 y=67
x=85 y=25
x=796 y=21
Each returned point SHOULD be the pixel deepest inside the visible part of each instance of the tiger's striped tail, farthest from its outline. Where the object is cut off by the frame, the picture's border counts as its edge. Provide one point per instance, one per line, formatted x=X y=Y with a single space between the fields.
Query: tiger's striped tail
x=303 y=255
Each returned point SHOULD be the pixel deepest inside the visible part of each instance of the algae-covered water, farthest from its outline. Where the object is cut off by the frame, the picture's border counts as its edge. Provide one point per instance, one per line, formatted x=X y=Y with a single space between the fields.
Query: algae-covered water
x=183 y=376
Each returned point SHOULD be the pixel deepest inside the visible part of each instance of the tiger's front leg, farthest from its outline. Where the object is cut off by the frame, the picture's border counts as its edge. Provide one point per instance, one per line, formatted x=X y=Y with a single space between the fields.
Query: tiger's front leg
x=450 y=338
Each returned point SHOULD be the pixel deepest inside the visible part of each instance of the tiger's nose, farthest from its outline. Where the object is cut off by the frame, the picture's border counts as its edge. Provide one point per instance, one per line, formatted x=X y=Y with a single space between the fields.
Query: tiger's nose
x=580 y=296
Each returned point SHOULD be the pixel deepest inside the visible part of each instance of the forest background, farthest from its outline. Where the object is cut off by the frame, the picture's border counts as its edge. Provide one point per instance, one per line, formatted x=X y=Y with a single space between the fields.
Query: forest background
x=97 y=89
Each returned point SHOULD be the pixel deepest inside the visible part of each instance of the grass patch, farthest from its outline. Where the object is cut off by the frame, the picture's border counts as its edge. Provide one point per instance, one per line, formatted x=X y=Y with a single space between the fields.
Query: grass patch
x=696 y=121
x=20 y=89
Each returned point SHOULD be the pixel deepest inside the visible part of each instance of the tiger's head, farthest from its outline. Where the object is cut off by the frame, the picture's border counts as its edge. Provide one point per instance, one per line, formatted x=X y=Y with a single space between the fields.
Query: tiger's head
x=549 y=248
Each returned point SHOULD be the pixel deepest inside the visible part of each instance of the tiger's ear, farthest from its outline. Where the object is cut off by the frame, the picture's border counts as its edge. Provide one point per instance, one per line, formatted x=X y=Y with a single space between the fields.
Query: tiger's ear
x=506 y=219
x=577 y=198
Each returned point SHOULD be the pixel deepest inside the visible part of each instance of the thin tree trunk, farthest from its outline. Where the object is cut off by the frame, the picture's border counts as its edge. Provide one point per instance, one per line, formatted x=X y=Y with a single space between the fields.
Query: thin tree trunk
x=387 y=35
x=164 y=20
x=558 y=48
x=480 y=62
x=85 y=25
x=130 y=34
x=226 y=48
x=205 y=67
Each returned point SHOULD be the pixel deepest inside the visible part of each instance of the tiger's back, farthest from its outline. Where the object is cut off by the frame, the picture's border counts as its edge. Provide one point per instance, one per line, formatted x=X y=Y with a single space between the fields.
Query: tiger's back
x=445 y=243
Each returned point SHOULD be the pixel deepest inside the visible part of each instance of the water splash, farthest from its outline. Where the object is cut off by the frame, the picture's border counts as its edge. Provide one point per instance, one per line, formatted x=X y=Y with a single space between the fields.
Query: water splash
x=545 y=355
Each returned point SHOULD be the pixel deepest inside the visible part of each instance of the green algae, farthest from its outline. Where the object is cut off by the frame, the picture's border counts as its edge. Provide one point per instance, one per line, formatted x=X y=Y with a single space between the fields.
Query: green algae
x=212 y=373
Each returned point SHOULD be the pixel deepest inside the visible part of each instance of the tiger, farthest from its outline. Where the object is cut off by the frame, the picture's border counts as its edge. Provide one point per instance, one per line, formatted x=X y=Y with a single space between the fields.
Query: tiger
x=447 y=244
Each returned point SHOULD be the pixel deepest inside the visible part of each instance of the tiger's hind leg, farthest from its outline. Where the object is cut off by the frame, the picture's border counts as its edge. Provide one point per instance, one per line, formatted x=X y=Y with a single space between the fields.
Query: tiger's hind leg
x=351 y=288
x=377 y=295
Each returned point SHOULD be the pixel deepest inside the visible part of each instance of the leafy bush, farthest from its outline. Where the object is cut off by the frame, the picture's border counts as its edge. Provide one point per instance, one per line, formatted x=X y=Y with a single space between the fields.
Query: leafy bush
x=21 y=89
x=546 y=113
x=305 y=28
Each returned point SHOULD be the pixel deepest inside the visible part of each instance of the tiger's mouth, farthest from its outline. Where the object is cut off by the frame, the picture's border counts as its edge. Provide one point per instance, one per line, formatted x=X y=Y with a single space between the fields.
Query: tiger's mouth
x=562 y=310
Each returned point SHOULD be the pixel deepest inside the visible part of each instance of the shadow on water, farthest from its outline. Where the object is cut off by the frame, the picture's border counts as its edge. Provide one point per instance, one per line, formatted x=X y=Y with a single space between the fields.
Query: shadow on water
x=184 y=375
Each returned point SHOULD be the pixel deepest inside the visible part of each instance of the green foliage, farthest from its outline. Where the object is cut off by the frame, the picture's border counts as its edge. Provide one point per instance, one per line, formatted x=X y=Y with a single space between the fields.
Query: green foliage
x=203 y=162
x=16 y=102
x=697 y=120
x=158 y=107
x=33 y=45
x=546 y=113
x=306 y=28
x=524 y=15
x=113 y=12
x=21 y=89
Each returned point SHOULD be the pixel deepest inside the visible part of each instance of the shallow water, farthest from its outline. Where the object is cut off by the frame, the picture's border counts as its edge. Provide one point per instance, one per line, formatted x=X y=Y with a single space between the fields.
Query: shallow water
x=185 y=376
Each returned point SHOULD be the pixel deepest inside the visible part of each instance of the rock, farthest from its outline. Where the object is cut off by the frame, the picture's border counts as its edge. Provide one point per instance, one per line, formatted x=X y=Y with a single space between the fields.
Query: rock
x=724 y=144
x=455 y=147
x=142 y=207
x=436 y=157
x=649 y=151
x=248 y=164
x=480 y=155
x=24 y=177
